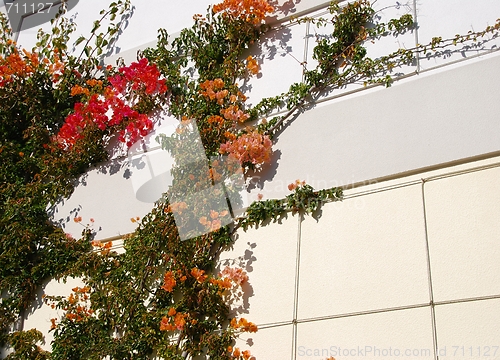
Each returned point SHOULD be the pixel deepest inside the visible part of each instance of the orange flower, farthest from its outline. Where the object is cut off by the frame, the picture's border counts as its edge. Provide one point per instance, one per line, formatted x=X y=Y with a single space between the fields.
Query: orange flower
x=77 y=90
x=178 y=207
x=252 y=65
x=220 y=95
x=244 y=325
x=216 y=225
x=165 y=325
x=171 y=312
x=168 y=282
x=198 y=275
x=94 y=82
x=215 y=119
x=212 y=89
x=242 y=96
x=233 y=323
x=179 y=321
x=224 y=283
x=234 y=113
x=218 y=83
x=252 y=11
x=72 y=299
x=214 y=214
x=296 y=184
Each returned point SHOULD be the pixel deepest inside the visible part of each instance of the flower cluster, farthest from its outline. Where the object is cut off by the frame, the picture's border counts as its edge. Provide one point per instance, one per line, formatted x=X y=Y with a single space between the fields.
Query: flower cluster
x=93 y=83
x=214 y=90
x=14 y=65
x=234 y=113
x=250 y=148
x=222 y=284
x=243 y=325
x=177 y=207
x=199 y=275
x=237 y=354
x=253 y=11
x=296 y=184
x=76 y=306
x=169 y=282
x=140 y=76
x=105 y=247
x=174 y=321
x=112 y=109
x=230 y=277
x=237 y=275
x=252 y=65
x=213 y=223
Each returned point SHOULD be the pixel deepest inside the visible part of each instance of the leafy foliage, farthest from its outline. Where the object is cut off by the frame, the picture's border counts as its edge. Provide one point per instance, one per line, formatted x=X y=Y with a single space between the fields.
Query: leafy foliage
x=162 y=297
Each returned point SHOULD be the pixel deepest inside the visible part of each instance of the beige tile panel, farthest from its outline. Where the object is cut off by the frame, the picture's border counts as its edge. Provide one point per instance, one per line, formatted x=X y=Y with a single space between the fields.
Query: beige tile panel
x=364 y=253
x=271 y=343
x=463 y=218
x=389 y=335
x=268 y=255
x=469 y=330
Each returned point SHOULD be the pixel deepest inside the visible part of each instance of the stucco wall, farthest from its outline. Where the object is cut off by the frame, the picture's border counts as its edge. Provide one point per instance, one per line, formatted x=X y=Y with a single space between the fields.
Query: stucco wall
x=409 y=260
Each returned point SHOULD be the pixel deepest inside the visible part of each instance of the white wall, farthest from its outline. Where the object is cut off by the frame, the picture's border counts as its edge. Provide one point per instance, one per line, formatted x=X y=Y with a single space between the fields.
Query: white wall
x=409 y=260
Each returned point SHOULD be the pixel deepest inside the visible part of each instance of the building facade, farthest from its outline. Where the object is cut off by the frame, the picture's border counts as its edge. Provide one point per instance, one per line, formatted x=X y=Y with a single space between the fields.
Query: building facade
x=407 y=264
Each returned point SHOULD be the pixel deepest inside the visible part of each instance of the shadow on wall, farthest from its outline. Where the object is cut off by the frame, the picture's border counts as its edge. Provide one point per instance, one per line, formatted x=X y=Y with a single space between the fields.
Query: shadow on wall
x=240 y=301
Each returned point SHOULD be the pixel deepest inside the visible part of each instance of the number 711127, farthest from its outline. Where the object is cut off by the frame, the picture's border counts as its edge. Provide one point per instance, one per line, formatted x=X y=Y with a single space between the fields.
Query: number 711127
x=41 y=7
x=476 y=351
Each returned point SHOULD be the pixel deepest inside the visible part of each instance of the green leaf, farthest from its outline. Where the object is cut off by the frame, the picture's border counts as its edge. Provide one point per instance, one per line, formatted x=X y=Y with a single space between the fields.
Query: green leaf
x=80 y=40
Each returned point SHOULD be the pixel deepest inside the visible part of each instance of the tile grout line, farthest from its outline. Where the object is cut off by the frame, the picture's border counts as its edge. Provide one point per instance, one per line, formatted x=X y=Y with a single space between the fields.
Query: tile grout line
x=429 y=273
x=296 y=290
x=386 y=310
x=378 y=311
x=415 y=21
x=306 y=50
x=299 y=228
x=362 y=313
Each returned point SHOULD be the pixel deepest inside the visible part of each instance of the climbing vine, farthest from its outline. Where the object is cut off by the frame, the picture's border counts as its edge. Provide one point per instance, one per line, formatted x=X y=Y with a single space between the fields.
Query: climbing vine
x=59 y=110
